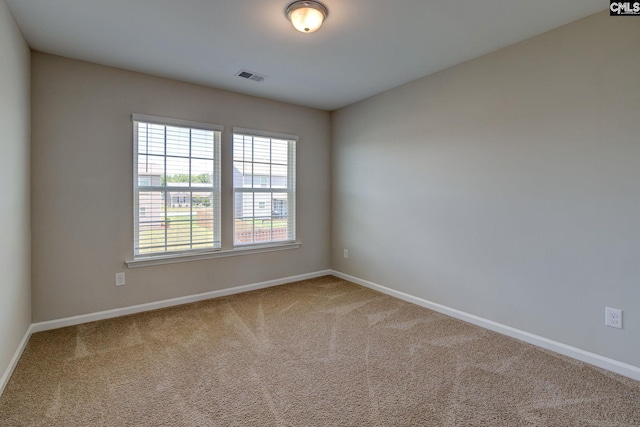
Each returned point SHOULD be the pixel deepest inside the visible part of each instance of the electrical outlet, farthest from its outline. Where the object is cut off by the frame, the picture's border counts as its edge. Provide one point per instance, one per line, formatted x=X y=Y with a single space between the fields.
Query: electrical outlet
x=346 y=253
x=120 y=279
x=613 y=317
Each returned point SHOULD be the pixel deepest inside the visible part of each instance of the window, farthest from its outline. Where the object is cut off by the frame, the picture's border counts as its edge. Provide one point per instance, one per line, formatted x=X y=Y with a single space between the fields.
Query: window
x=176 y=186
x=264 y=187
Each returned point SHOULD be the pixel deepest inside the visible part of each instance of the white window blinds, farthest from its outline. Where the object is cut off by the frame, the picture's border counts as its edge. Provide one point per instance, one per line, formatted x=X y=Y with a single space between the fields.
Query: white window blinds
x=264 y=186
x=176 y=186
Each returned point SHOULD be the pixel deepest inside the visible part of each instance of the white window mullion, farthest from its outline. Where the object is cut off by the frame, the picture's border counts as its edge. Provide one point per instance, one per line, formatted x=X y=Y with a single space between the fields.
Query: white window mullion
x=166 y=218
x=190 y=195
x=253 y=187
x=291 y=195
x=215 y=194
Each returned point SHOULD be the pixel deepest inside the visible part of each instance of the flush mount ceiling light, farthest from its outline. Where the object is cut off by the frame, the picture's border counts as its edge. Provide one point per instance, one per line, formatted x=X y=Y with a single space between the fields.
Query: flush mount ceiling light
x=306 y=16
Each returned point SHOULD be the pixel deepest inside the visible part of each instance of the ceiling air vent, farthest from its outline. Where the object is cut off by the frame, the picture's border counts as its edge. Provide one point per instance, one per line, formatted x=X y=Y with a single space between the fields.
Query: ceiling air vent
x=250 y=75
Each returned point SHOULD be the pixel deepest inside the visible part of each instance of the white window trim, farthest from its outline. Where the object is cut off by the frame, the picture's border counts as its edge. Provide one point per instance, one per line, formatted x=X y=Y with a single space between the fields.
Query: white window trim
x=175 y=122
x=164 y=257
x=177 y=257
x=244 y=250
x=266 y=134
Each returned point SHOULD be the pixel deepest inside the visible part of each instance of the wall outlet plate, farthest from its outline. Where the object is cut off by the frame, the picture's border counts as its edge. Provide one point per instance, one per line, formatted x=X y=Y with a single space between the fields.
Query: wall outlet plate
x=120 y=280
x=613 y=317
x=346 y=253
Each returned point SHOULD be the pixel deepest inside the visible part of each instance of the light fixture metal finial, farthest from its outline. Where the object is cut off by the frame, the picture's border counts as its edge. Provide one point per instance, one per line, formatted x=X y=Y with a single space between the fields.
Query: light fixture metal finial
x=306 y=16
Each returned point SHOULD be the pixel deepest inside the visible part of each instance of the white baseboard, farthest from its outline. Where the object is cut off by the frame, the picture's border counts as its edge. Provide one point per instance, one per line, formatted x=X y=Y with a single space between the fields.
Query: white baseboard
x=558 y=347
x=14 y=360
x=124 y=311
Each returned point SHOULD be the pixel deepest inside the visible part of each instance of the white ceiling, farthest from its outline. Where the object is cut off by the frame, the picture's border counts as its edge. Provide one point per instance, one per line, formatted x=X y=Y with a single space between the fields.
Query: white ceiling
x=364 y=47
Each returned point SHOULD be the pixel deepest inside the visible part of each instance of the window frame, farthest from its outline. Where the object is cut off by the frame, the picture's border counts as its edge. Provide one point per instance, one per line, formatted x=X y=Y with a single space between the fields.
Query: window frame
x=290 y=190
x=215 y=187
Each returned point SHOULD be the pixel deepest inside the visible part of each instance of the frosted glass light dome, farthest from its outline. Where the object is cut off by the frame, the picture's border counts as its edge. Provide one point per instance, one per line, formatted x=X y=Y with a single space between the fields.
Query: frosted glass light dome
x=306 y=16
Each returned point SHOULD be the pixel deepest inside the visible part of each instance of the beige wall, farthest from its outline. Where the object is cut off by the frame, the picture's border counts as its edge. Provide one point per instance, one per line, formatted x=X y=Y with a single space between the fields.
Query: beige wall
x=82 y=186
x=15 y=235
x=506 y=187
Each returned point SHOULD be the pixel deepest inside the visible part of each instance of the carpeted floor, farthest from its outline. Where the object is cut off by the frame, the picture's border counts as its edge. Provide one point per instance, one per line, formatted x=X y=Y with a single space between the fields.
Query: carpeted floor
x=321 y=352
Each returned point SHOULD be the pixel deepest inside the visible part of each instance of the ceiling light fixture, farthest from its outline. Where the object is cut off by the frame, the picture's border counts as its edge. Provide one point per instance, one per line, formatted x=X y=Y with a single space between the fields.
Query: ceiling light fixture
x=306 y=16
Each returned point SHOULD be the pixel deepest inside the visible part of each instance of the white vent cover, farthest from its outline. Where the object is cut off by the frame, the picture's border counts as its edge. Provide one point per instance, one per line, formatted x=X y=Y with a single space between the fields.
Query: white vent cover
x=250 y=75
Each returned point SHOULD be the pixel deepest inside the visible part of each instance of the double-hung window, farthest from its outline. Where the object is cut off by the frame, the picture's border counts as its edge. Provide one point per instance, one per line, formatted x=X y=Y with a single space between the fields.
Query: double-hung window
x=264 y=187
x=176 y=186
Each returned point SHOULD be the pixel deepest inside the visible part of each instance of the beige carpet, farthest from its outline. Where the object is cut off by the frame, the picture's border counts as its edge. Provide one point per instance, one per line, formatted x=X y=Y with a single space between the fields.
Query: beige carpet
x=322 y=352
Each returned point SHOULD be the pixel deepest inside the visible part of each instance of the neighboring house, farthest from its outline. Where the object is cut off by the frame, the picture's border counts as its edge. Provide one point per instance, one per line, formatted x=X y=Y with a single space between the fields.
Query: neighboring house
x=260 y=205
x=150 y=203
x=179 y=199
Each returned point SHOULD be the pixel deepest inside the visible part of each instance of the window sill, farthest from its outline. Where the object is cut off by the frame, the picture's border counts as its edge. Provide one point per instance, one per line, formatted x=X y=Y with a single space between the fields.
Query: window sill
x=249 y=250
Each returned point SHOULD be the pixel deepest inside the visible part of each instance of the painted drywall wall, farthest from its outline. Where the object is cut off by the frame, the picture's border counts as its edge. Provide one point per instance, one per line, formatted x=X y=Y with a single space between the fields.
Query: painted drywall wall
x=15 y=226
x=83 y=197
x=505 y=187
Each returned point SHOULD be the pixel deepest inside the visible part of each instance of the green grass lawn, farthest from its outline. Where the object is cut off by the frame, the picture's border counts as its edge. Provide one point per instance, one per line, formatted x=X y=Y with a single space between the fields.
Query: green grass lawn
x=181 y=227
x=261 y=223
